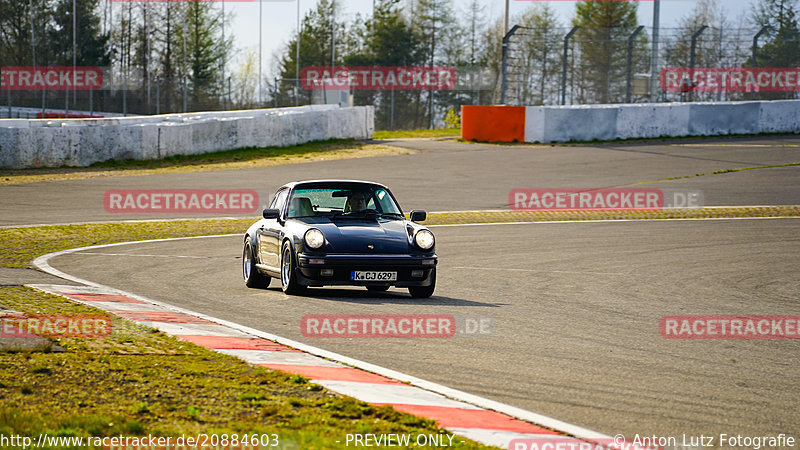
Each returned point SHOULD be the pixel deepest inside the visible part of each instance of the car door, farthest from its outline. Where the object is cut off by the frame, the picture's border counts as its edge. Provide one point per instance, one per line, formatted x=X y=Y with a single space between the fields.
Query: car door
x=270 y=235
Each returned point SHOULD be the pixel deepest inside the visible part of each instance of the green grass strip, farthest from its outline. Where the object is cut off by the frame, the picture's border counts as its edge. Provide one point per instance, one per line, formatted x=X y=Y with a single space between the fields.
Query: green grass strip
x=449 y=218
x=19 y=246
x=243 y=158
x=723 y=171
x=406 y=134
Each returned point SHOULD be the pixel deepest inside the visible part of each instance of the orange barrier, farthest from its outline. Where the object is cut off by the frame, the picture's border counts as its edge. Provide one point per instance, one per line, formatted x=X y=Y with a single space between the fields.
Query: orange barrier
x=493 y=123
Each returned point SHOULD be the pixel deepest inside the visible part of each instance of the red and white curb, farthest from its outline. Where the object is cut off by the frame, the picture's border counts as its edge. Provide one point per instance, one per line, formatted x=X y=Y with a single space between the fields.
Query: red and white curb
x=464 y=414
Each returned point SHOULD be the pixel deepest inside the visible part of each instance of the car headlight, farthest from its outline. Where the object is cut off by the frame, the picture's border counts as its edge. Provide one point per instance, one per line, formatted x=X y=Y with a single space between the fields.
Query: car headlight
x=424 y=239
x=314 y=238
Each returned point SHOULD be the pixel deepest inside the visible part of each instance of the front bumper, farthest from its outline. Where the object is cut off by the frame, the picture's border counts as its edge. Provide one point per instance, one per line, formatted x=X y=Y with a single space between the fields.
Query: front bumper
x=335 y=270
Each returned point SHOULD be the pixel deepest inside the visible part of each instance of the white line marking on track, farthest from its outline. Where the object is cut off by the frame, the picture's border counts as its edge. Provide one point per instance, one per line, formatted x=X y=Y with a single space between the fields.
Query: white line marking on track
x=148 y=256
x=536 y=271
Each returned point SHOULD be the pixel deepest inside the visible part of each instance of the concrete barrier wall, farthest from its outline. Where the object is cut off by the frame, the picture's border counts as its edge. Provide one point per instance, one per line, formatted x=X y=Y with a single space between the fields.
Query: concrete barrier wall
x=82 y=142
x=605 y=122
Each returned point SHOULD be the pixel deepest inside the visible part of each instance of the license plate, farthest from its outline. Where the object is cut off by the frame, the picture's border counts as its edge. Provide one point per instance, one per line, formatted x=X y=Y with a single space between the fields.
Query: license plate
x=372 y=276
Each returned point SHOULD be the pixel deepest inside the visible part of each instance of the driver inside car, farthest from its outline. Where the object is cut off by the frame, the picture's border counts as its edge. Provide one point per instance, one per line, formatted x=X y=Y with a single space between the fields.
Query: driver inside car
x=355 y=203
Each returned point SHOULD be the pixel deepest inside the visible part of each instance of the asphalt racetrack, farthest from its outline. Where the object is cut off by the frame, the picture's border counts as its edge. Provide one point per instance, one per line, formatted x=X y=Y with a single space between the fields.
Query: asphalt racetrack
x=574 y=308
x=448 y=176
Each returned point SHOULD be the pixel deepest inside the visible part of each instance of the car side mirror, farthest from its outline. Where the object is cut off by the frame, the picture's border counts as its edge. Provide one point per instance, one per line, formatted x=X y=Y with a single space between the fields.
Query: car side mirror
x=271 y=213
x=418 y=216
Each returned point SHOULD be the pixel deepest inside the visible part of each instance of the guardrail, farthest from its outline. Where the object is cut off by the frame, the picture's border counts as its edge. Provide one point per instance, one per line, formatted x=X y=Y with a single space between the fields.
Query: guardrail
x=545 y=124
x=28 y=143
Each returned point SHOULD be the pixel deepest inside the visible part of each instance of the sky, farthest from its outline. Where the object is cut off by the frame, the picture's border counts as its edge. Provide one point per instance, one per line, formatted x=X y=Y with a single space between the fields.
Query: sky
x=280 y=18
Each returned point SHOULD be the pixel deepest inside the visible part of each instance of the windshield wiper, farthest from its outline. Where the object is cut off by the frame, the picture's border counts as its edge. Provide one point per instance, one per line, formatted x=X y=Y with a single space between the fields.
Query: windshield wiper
x=362 y=214
x=354 y=215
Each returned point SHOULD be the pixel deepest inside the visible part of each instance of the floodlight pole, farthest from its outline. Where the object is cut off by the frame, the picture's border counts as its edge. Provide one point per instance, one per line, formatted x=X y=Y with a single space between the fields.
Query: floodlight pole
x=297 y=60
x=505 y=20
x=260 y=43
x=654 y=56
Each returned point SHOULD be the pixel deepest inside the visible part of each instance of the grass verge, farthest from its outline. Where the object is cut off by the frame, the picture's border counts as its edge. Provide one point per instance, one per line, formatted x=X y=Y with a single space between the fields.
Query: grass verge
x=139 y=382
x=19 y=246
x=724 y=171
x=226 y=160
x=405 y=134
x=722 y=212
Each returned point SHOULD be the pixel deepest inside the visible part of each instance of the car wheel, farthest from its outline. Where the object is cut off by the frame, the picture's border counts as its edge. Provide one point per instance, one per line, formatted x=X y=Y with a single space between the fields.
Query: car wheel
x=377 y=288
x=252 y=277
x=289 y=283
x=424 y=291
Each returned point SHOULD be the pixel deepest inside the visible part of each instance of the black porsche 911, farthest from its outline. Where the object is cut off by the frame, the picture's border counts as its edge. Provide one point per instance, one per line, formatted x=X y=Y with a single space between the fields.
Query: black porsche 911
x=339 y=233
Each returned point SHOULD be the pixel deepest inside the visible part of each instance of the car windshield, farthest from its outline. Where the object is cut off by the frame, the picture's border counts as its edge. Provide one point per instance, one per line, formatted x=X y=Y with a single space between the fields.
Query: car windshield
x=342 y=201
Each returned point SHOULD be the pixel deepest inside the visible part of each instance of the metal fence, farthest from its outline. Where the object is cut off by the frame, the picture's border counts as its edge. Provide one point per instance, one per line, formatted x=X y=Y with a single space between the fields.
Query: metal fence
x=555 y=66
x=569 y=66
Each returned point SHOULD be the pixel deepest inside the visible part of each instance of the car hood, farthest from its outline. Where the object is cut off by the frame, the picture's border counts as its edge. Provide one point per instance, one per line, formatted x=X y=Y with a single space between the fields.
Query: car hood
x=356 y=235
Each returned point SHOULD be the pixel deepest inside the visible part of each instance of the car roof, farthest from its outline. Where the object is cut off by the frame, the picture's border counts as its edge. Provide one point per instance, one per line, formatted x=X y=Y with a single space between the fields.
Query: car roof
x=294 y=184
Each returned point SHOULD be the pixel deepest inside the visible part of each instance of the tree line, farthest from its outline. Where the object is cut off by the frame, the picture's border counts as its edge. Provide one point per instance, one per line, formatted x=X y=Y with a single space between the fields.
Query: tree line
x=174 y=48
x=182 y=51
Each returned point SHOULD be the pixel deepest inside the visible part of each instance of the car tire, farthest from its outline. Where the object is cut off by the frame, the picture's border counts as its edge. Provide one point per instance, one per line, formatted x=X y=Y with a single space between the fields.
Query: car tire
x=424 y=291
x=289 y=284
x=377 y=288
x=252 y=277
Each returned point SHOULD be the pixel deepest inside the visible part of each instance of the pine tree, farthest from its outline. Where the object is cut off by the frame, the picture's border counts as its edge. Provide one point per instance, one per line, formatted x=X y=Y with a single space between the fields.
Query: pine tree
x=710 y=50
x=205 y=52
x=15 y=33
x=393 y=43
x=90 y=42
x=315 y=49
x=783 y=46
x=539 y=56
x=602 y=38
x=434 y=22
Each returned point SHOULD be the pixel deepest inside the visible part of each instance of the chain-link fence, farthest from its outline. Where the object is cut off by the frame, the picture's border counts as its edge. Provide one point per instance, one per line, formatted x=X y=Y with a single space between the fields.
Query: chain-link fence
x=569 y=66
x=555 y=66
x=36 y=92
